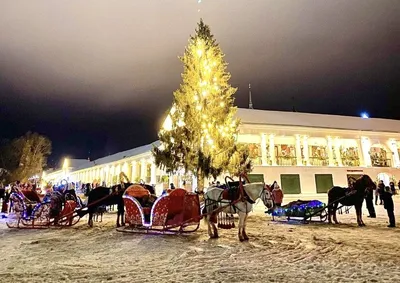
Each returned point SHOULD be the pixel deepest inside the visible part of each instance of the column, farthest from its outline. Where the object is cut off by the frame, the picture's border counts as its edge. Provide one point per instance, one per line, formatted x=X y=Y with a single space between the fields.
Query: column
x=106 y=175
x=330 y=152
x=337 y=152
x=298 y=150
x=143 y=169
x=112 y=173
x=102 y=179
x=153 y=174
x=118 y=170
x=305 y=150
x=134 y=170
x=365 y=147
x=263 y=149
x=394 y=149
x=272 y=149
x=125 y=169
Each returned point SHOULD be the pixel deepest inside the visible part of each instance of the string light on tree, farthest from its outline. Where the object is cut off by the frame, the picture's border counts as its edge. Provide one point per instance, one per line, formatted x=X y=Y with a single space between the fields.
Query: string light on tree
x=202 y=124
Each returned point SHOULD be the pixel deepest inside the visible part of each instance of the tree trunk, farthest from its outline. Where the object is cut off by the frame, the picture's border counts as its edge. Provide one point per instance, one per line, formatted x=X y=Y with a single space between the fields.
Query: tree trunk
x=200 y=180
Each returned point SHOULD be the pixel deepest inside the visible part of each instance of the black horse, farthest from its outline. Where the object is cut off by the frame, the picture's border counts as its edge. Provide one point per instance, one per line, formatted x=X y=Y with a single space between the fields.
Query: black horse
x=103 y=196
x=349 y=197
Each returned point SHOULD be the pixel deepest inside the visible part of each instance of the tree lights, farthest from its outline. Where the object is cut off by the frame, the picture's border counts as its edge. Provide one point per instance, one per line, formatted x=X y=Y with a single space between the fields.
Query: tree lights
x=199 y=132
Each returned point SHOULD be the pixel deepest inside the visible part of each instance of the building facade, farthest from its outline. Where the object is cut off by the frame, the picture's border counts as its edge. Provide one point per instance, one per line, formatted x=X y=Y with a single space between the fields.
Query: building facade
x=306 y=153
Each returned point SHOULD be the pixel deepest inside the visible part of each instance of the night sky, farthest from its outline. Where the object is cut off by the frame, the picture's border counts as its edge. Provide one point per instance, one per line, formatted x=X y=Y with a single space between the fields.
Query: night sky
x=97 y=77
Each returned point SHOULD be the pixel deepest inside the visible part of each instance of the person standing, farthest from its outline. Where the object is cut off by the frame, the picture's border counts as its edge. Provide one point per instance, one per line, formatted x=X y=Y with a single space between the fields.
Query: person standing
x=381 y=190
x=389 y=206
x=392 y=188
x=369 y=199
x=277 y=194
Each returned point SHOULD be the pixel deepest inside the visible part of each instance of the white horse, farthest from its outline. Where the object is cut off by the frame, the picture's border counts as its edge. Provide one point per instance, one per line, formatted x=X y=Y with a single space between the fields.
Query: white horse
x=213 y=201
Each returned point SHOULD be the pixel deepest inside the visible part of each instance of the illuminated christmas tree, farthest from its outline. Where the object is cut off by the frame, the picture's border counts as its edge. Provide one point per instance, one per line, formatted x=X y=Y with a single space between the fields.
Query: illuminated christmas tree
x=200 y=131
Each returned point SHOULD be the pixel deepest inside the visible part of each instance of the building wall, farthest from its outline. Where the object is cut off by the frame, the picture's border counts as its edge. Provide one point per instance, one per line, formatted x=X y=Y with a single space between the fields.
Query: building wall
x=266 y=140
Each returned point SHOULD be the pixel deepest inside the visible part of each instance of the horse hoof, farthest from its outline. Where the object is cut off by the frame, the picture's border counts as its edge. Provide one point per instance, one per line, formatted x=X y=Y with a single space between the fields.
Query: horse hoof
x=241 y=239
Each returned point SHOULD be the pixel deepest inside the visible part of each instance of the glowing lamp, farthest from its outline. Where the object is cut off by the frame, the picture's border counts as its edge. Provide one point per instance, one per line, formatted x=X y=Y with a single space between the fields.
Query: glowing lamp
x=364 y=115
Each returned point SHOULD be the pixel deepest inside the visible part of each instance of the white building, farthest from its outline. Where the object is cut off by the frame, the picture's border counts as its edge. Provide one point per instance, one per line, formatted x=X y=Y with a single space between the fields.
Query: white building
x=305 y=153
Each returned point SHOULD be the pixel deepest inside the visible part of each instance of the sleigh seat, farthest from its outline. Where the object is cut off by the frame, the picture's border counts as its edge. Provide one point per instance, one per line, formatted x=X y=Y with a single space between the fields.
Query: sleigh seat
x=136 y=215
x=141 y=194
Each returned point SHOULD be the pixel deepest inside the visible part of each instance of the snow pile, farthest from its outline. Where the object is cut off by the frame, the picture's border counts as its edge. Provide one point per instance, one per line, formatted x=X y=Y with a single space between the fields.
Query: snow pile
x=277 y=252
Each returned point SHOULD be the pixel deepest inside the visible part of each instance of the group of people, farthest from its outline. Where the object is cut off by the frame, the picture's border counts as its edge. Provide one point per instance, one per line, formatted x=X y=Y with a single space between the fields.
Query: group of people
x=384 y=194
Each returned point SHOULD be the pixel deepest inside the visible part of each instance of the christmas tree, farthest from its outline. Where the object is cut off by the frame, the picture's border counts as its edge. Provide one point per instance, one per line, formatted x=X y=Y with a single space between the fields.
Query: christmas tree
x=200 y=130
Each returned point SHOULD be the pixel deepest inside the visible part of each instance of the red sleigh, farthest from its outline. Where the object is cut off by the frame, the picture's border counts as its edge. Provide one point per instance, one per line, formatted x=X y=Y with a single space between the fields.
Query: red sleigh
x=176 y=212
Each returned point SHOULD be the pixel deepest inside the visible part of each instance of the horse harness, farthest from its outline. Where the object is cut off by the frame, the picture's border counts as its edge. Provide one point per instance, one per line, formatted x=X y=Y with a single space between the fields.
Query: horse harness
x=244 y=197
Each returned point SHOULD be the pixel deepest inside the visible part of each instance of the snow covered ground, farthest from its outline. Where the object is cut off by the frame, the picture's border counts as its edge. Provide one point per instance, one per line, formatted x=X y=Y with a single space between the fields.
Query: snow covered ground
x=276 y=252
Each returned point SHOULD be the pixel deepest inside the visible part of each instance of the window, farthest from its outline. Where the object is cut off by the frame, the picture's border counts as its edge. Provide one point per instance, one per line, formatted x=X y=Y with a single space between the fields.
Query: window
x=290 y=183
x=285 y=155
x=324 y=182
x=349 y=156
x=379 y=157
x=318 y=156
x=253 y=178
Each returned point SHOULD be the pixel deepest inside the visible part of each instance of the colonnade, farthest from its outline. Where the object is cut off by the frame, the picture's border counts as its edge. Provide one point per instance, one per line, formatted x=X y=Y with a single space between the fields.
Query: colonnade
x=333 y=144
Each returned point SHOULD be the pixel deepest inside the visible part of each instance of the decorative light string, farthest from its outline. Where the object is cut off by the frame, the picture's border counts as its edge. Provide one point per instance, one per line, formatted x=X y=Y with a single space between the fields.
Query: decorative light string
x=299 y=210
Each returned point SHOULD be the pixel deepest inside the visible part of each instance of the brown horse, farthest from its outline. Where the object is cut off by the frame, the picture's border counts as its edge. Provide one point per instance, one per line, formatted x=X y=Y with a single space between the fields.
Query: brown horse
x=349 y=197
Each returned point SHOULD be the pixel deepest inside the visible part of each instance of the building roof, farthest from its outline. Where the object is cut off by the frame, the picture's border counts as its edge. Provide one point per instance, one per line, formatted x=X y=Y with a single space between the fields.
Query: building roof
x=286 y=118
x=76 y=163
x=120 y=155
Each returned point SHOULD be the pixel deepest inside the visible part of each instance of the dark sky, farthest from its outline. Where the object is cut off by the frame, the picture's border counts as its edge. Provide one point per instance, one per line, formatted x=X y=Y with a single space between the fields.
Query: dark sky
x=97 y=76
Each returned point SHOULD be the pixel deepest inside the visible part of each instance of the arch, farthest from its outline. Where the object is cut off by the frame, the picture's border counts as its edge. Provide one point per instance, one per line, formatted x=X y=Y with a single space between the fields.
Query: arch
x=384 y=177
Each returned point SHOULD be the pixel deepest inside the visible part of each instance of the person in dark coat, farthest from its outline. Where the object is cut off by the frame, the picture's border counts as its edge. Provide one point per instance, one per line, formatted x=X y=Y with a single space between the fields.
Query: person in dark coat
x=389 y=206
x=392 y=188
x=381 y=190
x=369 y=199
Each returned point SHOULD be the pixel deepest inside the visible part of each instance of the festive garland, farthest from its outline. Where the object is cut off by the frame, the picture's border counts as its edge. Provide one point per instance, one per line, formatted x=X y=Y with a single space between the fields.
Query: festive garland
x=298 y=210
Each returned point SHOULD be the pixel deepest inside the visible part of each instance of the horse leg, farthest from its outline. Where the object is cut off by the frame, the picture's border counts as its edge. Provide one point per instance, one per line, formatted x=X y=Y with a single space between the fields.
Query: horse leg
x=330 y=207
x=240 y=231
x=246 y=238
x=118 y=225
x=123 y=217
x=361 y=220
x=215 y=230
x=359 y=216
x=90 y=221
x=208 y=220
x=334 y=210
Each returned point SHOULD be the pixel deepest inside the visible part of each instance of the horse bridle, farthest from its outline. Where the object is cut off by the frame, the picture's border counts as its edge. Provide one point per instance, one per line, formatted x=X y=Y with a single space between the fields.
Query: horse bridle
x=263 y=194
